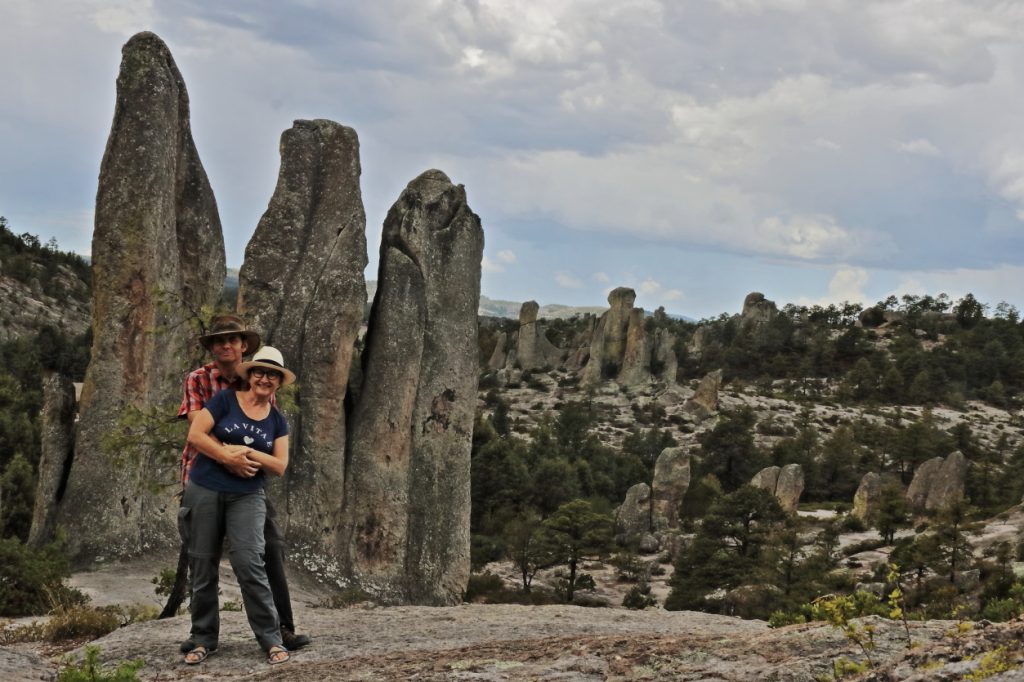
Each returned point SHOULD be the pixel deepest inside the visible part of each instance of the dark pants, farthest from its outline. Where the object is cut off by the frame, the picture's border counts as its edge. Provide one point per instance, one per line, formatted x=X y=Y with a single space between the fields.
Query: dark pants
x=274 y=559
x=206 y=518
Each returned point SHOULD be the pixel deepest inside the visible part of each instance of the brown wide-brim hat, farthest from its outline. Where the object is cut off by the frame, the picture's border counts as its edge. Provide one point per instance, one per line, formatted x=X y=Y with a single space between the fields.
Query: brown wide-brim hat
x=269 y=358
x=225 y=325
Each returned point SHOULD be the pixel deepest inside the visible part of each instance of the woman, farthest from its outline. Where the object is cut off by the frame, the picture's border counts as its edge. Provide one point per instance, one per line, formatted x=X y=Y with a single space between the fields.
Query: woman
x=241 y=437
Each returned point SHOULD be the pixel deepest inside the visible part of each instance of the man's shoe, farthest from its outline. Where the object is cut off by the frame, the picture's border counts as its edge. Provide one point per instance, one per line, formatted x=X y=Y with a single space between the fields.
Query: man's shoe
x=293 y=642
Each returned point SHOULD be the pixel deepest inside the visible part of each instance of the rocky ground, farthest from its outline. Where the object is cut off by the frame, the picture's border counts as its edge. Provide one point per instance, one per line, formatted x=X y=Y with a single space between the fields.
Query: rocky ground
x=504 y=642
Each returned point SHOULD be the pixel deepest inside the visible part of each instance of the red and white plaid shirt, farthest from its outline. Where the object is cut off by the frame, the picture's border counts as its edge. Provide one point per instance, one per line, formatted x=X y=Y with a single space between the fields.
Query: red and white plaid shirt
x=201 y=385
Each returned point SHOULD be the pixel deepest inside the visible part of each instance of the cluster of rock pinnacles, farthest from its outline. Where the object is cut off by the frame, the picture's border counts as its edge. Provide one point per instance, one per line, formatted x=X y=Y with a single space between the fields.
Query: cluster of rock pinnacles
x=377 y=492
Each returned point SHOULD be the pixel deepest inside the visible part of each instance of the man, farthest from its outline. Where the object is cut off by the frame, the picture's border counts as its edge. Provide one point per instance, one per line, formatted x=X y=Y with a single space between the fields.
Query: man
x=228 y=341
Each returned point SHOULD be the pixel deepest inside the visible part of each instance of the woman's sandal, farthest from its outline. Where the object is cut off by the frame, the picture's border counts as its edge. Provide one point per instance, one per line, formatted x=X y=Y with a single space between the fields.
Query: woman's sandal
x=277 y=655
x=197 y=655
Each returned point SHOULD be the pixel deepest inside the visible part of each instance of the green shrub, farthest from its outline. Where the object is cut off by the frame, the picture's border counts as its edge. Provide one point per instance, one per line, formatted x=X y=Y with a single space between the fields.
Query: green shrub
x=639 y=597
x=32 y=580
x=90 y=670
x=482 y=585
x=780 y=619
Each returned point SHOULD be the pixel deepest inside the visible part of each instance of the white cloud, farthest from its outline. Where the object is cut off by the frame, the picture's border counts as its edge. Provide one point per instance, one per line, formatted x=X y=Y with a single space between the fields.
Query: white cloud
x=806 y=237
x=488 y=266
x=506 y=256
x=649 y=287
x=601 y=278
x=672 y=295
x=919 y=147
x=568 y=280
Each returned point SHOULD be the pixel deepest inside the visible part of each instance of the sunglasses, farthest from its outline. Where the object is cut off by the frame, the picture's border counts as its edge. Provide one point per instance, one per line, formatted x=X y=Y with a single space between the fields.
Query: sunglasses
x=260 y=372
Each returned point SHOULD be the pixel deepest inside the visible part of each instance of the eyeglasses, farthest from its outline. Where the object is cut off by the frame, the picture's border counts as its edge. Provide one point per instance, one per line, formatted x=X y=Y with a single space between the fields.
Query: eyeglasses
x=260 y=372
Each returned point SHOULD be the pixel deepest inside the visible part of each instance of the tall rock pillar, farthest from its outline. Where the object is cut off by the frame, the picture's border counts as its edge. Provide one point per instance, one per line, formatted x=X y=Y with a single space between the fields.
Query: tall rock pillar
x=302 y=287
x=158 y=253
x=407 y=493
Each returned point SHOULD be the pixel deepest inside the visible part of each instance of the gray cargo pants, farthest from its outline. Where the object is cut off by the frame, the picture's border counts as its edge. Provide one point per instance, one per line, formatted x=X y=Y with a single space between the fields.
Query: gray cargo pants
x=205 y=518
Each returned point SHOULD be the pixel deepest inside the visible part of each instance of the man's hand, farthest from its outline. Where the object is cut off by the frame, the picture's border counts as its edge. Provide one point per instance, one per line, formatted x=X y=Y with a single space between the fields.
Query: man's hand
x=238 y=463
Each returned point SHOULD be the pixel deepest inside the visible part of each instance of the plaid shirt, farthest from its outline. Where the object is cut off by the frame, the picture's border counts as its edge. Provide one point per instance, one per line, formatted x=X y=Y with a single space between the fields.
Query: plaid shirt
x=201 y=385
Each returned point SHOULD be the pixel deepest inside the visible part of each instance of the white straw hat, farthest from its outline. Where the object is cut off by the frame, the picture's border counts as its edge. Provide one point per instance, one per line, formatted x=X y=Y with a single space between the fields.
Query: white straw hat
x=270 y=358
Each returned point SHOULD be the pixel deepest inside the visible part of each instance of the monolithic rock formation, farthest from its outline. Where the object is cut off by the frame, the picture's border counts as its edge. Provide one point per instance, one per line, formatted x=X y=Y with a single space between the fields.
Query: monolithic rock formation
x=704 y=401
x=938 y=483
x=57 y=441
x=499 y=356
x=302 y=287
x=407 y=500
x=533 y=350
x=671 y=481
x=622 y=347
x=633 y=517
x=786 y=484
x=757 y=309
x=157 y=255
x=868 y=495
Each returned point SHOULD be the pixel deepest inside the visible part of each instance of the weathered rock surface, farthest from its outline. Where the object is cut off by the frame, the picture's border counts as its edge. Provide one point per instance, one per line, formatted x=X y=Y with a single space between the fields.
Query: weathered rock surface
x=785 y=483
x=407 y=499
x=500 y=354
x=671 y=481
x=705 y=400
x=157 y=254
x=633 y=517
x=27 y=309
x=757 y=309
x=57 y=441
x=533 y=349
x=302 y=287
x=608 y=343
x=869 y=494
x=938 y=483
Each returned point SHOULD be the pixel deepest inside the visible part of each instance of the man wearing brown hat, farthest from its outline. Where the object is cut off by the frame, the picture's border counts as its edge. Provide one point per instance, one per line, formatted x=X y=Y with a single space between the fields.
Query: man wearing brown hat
x=228 y=341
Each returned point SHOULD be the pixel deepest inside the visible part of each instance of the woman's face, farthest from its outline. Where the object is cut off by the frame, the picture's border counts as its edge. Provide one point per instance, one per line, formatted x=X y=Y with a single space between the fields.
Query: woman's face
x=263 y=381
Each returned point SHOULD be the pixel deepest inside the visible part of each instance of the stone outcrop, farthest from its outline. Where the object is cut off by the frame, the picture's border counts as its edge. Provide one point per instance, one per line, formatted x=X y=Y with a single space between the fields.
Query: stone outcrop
x=868 y=495
x=533 y=350
x=633 y=517
x=671 y=481
x=704 y=401
x=157 y=255
x=407 y=484
x=785 y=483
x=302 y=287
x=57 y=443
x=622 y=347
x=938 y=483
x=500 y=354
x=757 y=309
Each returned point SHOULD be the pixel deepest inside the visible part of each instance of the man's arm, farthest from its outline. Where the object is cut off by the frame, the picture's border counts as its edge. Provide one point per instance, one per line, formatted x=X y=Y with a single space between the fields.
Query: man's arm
x=233 y=457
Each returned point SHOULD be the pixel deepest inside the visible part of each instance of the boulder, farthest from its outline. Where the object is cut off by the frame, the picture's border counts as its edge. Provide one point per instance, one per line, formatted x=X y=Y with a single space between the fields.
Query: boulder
x=157 y=259
x=500 y=354
x=301 y=285
x=704 y=402
x=790 y=487
x=938 y=483
x=785 y=483
x=57 y=441
x=633 y=517
x=635 y=365
x=663 y=356
x=407 y=488
x=671 y=481
x=868 y=495
x=757 y=309
x=648 y=544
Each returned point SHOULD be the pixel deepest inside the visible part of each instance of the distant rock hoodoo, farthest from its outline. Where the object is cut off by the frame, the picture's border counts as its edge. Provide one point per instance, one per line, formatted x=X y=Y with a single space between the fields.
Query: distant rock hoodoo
x=938 y=483
x=622 y=348
x=158 y=254
x=785 y=483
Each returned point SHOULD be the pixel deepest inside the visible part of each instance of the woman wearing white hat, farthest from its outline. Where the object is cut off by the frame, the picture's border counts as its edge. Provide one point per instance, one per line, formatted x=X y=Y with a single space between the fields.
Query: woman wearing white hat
x=241 y=437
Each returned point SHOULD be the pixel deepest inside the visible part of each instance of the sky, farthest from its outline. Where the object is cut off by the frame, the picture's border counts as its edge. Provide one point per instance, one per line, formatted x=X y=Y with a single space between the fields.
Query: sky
x=696 y=150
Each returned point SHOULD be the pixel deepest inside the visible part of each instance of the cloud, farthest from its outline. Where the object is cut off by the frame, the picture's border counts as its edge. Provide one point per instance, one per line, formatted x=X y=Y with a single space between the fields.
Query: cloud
x=488 y=266
x=649 y=287
x=672 y=295
x=506 y=256
x=847 y=284
x=919 y=147
x=601 y=278
x=568 y=280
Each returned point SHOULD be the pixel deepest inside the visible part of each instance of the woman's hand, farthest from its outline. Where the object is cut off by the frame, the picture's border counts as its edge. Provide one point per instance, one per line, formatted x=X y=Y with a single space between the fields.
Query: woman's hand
x=238 y=461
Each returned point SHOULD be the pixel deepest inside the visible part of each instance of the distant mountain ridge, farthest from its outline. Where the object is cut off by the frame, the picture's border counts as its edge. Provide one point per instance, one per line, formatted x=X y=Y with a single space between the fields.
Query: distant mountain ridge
x=489 y=307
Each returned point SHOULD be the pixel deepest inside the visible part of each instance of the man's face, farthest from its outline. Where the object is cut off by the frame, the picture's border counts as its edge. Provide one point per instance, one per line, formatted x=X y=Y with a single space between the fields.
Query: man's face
x=228 y=349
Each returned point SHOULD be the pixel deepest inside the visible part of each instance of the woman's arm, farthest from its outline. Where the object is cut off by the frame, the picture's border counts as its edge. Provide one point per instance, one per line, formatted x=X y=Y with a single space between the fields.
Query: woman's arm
x=235 y=459
x=274 y=463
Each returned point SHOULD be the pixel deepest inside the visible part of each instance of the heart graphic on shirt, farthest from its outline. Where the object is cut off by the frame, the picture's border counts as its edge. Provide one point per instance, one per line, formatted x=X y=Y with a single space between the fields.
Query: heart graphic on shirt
x=248 y=440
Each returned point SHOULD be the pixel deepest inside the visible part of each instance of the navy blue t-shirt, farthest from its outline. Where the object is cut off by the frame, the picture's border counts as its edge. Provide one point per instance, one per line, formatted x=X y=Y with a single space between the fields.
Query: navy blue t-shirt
x=233 y=427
